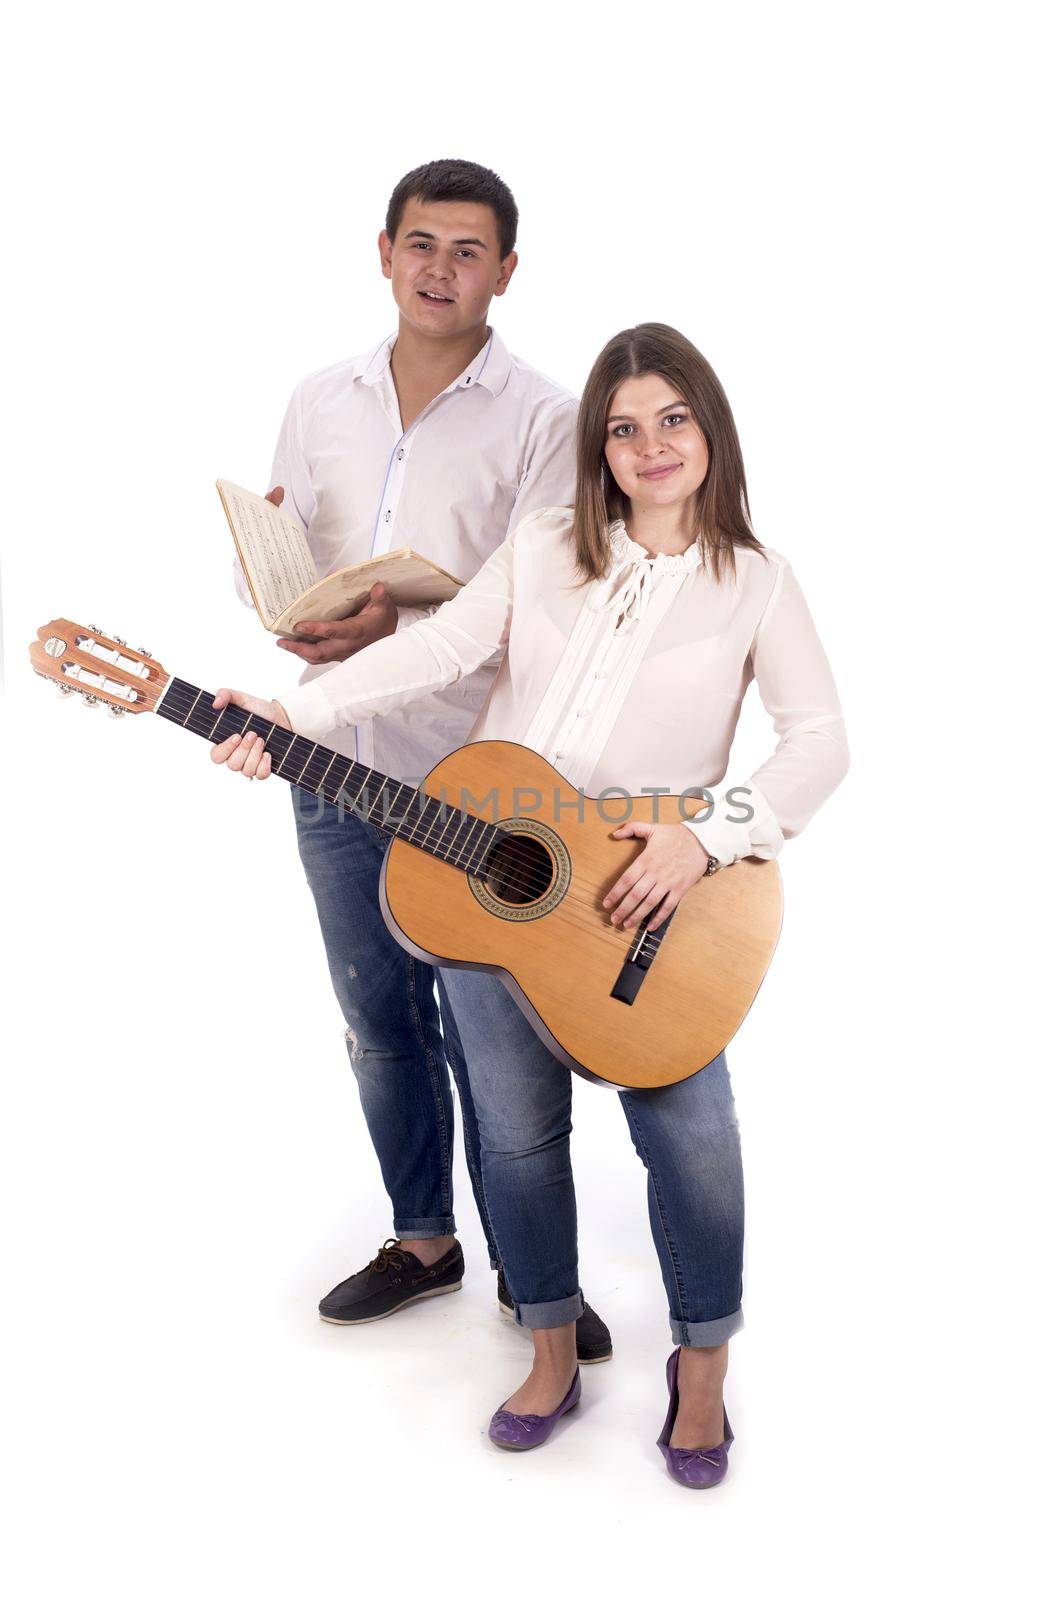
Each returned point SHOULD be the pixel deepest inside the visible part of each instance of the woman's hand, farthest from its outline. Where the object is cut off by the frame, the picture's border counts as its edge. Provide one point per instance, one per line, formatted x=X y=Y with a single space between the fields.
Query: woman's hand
x=245 y=753
x=672 y=860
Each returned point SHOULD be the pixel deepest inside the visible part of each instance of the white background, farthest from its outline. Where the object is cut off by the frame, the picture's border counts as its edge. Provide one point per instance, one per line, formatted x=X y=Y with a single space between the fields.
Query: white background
x=831 y=202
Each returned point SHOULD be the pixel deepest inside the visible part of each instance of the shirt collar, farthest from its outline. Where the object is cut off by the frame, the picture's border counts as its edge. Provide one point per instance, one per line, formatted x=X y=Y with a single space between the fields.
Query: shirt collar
x=626 y=551
x=370 y=367
x=489 y=368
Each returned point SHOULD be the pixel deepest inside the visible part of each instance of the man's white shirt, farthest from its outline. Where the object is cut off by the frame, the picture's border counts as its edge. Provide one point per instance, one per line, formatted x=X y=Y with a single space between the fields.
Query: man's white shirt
x=495 y=445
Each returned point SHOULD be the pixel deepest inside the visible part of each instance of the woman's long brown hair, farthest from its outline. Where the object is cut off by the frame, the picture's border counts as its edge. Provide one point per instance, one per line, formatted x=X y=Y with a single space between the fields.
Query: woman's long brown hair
x=722 y=513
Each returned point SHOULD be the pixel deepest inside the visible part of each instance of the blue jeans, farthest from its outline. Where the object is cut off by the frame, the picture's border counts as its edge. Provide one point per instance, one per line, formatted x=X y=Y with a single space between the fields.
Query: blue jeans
x=398 y=1051
x=686 y=1136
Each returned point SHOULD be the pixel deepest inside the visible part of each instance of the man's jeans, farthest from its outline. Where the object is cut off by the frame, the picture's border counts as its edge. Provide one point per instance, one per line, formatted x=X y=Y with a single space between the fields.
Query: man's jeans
x=686 y=1136
x=397 y=1050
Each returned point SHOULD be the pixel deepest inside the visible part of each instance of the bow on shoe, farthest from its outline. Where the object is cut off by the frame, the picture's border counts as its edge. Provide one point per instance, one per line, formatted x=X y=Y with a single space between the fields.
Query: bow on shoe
x=714 y=1457
x=527 y=1422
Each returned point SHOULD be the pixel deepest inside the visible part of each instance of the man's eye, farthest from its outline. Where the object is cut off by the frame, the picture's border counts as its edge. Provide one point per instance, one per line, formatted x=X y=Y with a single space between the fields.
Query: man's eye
x=468 y=254
x=421 y=244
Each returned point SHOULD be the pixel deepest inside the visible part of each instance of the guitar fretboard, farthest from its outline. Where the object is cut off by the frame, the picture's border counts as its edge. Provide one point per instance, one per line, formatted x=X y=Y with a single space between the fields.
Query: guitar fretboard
x=455 y=836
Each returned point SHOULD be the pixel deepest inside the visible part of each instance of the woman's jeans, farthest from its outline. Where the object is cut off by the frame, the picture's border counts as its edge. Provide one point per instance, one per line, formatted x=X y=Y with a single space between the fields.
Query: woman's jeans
x=397 y=1050
x=686 y=1136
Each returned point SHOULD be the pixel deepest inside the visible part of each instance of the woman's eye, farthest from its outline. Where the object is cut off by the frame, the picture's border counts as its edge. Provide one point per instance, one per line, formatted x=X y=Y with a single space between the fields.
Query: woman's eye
x=675 y=418
x=622 y=430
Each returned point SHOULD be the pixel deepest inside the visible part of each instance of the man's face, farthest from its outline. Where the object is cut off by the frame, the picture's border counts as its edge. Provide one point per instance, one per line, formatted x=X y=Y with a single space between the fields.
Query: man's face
x=445 y=266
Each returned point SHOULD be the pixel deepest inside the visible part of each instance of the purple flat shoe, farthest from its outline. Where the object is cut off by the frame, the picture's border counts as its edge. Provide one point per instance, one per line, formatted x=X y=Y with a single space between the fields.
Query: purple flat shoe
x=509 y=1430
x=693 y=1469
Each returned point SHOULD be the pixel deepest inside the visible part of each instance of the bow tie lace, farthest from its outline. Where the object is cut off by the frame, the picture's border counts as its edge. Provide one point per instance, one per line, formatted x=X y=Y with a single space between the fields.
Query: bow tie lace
x=627 y=602
x=636 y=574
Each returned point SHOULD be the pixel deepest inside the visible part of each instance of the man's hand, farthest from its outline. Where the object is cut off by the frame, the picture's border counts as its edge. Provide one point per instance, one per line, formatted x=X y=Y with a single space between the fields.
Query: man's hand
x=247 y=755
x=671 y=862
x=335 y=641
x=318 y=642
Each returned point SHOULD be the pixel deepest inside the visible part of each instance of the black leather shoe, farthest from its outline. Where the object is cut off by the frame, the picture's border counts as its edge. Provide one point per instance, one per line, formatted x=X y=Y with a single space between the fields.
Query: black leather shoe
x=391 y=1281
x=593 y=1336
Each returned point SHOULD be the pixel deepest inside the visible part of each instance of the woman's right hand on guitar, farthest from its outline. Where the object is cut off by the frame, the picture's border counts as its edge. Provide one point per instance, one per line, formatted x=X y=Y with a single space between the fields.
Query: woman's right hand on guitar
x=246 y=753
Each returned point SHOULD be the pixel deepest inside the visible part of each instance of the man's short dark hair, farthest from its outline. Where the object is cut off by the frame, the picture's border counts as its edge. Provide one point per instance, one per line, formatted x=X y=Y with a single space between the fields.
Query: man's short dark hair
x=457 y=180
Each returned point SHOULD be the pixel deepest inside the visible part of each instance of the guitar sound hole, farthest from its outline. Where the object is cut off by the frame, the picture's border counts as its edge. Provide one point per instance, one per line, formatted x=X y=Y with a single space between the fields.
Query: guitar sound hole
x=518 y=870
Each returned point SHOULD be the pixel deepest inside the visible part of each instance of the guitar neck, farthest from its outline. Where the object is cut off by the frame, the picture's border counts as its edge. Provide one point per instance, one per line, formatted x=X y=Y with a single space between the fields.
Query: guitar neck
x=457 y=837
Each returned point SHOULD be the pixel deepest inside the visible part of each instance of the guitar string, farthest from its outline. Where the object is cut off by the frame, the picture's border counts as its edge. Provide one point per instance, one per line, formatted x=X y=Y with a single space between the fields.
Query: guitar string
x=420 y=831
x=531 y=881
x=530 y=877
x=525 y=883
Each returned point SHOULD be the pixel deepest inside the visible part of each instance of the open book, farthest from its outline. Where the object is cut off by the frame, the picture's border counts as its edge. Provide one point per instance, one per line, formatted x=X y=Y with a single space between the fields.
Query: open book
x=283 y=580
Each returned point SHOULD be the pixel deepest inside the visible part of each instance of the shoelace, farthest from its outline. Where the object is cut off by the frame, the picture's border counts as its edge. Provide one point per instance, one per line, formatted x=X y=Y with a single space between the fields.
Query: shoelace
x=389 y=1255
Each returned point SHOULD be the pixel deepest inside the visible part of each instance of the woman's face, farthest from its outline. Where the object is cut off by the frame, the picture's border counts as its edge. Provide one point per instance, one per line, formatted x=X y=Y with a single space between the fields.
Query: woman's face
x=653 y=447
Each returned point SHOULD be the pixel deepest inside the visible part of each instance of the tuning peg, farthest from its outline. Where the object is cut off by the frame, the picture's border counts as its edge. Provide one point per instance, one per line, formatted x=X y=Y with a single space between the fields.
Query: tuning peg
x=141 y=651
x=117 y=639
x=64 y=688
x=93 y=627
x=116 y=711
x=90 y=700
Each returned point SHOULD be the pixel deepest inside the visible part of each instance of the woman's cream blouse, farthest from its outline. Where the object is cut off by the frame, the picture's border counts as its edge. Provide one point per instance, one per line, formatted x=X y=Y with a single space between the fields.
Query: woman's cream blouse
x=631 y=683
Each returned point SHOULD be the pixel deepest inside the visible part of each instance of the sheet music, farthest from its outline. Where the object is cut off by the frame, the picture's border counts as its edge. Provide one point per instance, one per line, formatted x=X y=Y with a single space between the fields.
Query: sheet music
x=273 y=549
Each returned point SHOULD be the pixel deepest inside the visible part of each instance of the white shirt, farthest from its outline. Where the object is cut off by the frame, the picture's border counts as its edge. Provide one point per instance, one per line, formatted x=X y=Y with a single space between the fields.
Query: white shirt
x=494 y=445
x=632 y=682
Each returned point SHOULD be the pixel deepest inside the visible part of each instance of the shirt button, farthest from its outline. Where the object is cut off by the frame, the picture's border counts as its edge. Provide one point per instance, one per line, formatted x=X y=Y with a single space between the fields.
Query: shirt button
x=559 y=755
x=388 y=515
x=400 y=455
x=602 y=674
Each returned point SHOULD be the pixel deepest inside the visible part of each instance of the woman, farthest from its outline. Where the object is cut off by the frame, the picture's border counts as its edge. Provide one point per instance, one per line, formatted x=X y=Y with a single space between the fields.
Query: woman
x=634 y=623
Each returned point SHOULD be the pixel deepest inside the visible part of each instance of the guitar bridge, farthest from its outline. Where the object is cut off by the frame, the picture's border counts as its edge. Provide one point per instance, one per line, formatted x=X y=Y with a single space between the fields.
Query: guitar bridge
x=639 y=959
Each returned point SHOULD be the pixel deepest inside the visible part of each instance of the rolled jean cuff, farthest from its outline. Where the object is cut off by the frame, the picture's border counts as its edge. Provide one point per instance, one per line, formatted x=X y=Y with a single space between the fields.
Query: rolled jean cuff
x=550 y=1313
x=702 y=1335
x=423 y=1227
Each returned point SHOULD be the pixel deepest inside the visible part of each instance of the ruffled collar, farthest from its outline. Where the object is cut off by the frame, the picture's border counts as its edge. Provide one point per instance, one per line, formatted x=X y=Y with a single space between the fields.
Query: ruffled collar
x=634 y=573
x=626 y=551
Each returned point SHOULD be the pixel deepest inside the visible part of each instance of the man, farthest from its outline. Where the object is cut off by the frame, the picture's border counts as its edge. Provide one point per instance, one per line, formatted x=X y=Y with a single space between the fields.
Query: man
x=440 y=440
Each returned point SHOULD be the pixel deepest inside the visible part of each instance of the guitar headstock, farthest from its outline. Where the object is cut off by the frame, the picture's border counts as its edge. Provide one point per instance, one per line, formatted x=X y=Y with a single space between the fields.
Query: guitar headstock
x=100 y=667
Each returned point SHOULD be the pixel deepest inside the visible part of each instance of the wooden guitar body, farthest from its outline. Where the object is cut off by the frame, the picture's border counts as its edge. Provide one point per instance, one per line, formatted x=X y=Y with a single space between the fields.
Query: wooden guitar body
x=550 y=940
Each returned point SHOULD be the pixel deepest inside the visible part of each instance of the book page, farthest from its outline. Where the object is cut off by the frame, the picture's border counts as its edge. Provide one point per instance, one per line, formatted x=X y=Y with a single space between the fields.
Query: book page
x=272 y=547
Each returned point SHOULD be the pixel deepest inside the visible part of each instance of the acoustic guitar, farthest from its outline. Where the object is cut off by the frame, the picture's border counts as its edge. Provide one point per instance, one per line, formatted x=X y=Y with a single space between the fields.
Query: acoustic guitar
x=497 y=863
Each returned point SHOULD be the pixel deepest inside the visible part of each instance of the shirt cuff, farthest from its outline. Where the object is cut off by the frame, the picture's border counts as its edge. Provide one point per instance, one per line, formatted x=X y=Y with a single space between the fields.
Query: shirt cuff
x=309 y=709
x=408 y=615
x=730 y=840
